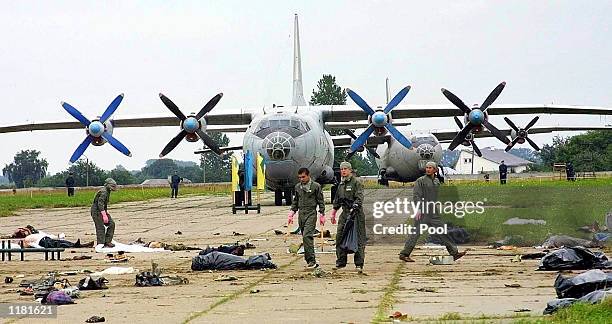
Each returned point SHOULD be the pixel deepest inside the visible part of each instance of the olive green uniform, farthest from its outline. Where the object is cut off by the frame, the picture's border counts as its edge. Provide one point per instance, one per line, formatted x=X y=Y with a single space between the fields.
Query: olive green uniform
x=349 y=194
x=426 y=190
x=100 y=203
x=306 y=199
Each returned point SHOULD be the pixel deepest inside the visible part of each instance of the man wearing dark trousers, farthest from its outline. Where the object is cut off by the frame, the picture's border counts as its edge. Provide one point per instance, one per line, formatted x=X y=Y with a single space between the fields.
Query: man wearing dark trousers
x=308 y=196
x=426 y=190
x=350 y=197
x=174 y=184
x=503 y=172
x=70 y=184
x=105 y=226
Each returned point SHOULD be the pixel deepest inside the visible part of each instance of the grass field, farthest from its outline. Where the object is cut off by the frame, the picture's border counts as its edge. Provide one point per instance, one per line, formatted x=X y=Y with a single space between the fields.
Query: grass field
x=564 y=206
x=577 y=313
x=10 y=203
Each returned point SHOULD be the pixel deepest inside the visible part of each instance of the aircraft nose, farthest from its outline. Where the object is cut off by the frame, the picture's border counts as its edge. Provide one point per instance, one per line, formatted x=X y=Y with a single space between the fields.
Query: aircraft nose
x=278 y=145
x=426 y=151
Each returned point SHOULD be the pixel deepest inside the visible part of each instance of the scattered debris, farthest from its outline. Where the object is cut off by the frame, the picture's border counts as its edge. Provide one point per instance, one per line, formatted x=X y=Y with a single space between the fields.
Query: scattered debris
x=255 y=291
x=513 y=285
x=217 y=233
x=533 y=256
x=179 y=233
x=398 y=316
x=574 y=258
x=523 y=221
x=79 y=257
x=522 y=310
x=582 y=284
x=57 y=298
x=95 y=319
x=225 y=278
x=593 y=297
x=317 y=272
x=278 y=232
x=8 y=280
x=441 y=260
x=559 y=241
x=427 y=289
x=507 y=248
x=90 y=283
x=237 y=234
x=516 y=258
x=115 y=271
x=294 y=248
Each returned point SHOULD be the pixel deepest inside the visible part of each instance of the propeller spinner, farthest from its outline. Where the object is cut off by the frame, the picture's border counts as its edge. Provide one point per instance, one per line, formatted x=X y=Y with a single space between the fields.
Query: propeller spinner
x=98 y=130
x=380 y=120
x=192 y=126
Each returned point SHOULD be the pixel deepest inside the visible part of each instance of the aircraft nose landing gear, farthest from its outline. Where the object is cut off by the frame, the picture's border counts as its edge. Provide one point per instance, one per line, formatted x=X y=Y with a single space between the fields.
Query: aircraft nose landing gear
x=382 y=180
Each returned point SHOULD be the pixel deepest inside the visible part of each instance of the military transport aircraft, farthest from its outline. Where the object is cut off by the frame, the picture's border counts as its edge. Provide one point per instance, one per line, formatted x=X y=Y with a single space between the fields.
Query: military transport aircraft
x=297 y=135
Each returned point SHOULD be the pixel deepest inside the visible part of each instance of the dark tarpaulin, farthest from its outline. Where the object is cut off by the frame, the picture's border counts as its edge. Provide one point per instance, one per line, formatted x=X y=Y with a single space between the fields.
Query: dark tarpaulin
x=593 y=297
x=582 y=284
x=574 y=258
x=224 y=261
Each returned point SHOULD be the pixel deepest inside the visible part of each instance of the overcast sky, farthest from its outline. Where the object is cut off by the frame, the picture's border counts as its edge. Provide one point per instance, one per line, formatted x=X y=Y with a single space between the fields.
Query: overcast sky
x=86 y=52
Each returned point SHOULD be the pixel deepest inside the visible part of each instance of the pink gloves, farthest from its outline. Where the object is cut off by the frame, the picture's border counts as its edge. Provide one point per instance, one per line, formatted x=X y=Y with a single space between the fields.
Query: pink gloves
x=333 y=216
x=290 y=217
x=418 y=215
x=104 y=217
x=322 y=219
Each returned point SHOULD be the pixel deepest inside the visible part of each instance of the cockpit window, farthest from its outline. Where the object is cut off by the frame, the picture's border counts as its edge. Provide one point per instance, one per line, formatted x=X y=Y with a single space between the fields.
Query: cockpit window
x=284 y=123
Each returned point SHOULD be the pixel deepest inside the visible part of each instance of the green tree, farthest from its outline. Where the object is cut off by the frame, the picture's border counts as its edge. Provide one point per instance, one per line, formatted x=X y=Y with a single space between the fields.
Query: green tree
x=86 y=173
x=122 y=175
x=159 y=169
x=217 y=168
x=591 y=151
x=27 y=167
x=328 y=92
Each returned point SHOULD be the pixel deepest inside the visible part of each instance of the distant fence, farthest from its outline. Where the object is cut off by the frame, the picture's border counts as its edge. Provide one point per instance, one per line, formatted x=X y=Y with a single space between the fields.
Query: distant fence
x=213 y=186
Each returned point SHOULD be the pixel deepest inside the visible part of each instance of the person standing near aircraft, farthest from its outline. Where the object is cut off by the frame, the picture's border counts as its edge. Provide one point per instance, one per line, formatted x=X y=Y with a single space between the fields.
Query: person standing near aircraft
x=70 y=184
x=503 y=172
x=350 y=197
x=105 y=226
x=426 y=190
x=174 y=184
x=308 y=196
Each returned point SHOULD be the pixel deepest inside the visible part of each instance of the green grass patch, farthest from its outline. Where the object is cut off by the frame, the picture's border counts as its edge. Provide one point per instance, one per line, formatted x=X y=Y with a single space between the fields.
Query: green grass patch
x=565 y=206
x=388 y=298
x=10 y=203
x=577 y=313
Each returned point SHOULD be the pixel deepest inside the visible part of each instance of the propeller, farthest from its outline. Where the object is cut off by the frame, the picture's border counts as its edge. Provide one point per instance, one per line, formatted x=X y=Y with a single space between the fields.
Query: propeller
x=97 y=130
x=476 y=117
x=354 y=137
x=522 y=134
x=380 y=120
x=469 y=138
x=192 y=126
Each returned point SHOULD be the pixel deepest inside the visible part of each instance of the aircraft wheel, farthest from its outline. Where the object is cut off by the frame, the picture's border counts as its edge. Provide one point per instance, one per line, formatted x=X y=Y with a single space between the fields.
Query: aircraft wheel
x=288 y=197
x=278 y=198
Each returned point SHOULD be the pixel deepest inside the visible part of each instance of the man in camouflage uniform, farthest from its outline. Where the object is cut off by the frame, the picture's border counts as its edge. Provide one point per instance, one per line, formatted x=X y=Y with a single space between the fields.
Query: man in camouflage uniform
x=350 y=197
x=105 y=226
x=308 y=195
x=426 y=190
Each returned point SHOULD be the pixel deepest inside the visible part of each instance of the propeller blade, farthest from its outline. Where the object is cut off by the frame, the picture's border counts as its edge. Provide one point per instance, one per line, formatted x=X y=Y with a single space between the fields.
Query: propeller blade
x=532 y=122
x=492 y=96
x=116 y=144
x=458 y=122
x=209 y=142
x=516 y=129
x=76 y=114
x=360 y=102
x=111 y=108
x=496 y=132
x=397 y=99
x=533 y=144
x=362 y=139
x=460 y=137
x=173 y=143
x=350 y=133
x=81 y=149
x=373 y=152
x=173 y=108
x=209 y=106
x=511 y=145
x=456 y=101
x=476 y=149
x=398 y=136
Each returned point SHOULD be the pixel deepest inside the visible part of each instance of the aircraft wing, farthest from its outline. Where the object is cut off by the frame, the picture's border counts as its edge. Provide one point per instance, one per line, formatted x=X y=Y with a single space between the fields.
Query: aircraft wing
x=360 y=124
x=447 y=136
x=344 y=140
x=222 y=149
x=347 y=113
x=212 y=119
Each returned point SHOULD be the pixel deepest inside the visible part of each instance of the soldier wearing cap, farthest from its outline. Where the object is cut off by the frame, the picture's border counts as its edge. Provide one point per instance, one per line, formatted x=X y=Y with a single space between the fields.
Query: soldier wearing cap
x=426 y=190
x=350 y=197
x=105 y=226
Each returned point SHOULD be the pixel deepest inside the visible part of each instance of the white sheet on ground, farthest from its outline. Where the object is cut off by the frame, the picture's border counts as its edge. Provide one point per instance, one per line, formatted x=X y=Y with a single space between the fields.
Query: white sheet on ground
x=126 y=248
x=115 y=271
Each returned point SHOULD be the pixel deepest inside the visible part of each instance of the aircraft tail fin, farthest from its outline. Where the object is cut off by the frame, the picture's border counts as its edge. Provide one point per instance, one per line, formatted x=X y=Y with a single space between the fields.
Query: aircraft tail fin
x=298 y=88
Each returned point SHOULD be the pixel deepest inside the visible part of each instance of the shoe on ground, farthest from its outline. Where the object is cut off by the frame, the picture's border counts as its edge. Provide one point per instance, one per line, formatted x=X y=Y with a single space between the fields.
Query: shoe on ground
x=359 y=269
x=459 y=255
x=405 y=258
x=339 y=266
x=312 y=266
